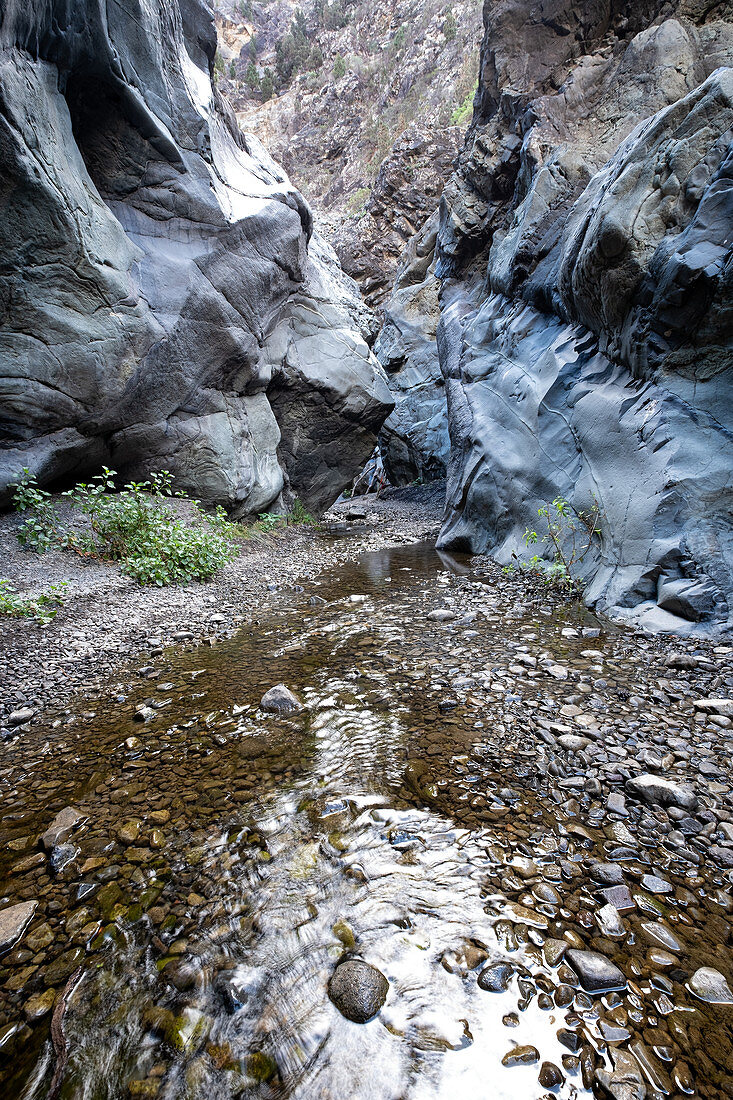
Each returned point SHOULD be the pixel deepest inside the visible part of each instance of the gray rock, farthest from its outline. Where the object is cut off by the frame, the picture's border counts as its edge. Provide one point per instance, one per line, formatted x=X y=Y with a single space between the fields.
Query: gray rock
x=597 y=973
x=654 y=789
x=206 y=330
x=441 y=615
x=610 y=874
x=414 y=438
x=20 y=717
x=714 y=706
x=616 y=804
x=496 y=977
x=61 y=828
x=280 y=700
x=13 y=922
x=585 y=337
x=721 y=855
x=521 y=1056
x=62 y=855
x=358 y=990
x=625 y=1081
x=710 y=986
x=609 y=921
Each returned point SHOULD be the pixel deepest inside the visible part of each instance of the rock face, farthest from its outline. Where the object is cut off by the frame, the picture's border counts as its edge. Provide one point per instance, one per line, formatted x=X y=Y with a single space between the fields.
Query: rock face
x=583 y=265
x=372 y=142
x=157 y=268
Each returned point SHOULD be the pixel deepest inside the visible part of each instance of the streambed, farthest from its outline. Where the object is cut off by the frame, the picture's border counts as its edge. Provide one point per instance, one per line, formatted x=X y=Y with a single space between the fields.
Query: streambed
x=419 y=813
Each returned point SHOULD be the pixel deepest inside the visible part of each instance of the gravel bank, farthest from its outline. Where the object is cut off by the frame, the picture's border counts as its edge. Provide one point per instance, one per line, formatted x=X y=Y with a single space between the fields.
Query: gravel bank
x=109 y=619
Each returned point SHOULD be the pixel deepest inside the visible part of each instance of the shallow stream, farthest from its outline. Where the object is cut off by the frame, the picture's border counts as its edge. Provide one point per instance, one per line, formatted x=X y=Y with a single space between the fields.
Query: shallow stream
x=229 y=859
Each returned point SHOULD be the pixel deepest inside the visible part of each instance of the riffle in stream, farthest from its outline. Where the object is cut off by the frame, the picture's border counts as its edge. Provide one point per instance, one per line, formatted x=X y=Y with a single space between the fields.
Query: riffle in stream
x=228 y=859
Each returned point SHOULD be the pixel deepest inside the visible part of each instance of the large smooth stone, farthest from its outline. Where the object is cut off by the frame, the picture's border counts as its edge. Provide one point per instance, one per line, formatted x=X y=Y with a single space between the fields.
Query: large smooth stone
x=663 y=792
x=61 y=827
x=13 y=922
x=597 y=973
x=280 y=700
x=358 y=990
x=710 y=986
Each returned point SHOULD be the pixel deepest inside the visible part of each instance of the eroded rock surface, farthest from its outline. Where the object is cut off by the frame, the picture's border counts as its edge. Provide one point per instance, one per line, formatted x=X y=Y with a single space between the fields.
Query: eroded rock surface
x=156 y=266
x=583 y=265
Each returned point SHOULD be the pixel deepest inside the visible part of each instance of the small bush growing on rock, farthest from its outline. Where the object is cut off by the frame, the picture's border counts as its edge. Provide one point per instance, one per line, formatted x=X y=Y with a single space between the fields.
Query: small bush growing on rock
x=449 y=26
x=339 y=68
x=463 y=113
x=42 y=608
x=570 y=542
x=135 y=527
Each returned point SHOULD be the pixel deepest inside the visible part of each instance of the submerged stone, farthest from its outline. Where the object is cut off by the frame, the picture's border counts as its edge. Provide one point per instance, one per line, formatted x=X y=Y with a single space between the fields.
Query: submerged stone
x=13 y=922
x=358 y=990
x=61 y=827
x=597 y=973
x=280 y=700
x=710 y=986
x=496 y=978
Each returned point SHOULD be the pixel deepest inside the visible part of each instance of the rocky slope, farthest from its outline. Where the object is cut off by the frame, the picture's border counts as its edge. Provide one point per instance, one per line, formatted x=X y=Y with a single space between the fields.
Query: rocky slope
x=370 y=123
x=579 y=280
x=164 y=303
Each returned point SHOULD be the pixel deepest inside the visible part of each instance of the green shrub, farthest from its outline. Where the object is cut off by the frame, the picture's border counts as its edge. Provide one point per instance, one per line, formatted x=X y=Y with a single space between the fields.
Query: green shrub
x=41 y=608
x=339 y=68
x=252 y=77
x=297 y=516
x=315 y=59
x=570 y=534
x=40 y=529
x=135 y=527
x=300 y=515
x=267 y=85
x=358 y=201
x=449 y=26
x=463 y=113
x=398 y=39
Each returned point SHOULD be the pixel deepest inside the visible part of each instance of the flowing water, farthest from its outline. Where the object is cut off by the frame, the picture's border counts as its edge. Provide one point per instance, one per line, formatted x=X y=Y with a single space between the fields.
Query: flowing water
x=230 y=858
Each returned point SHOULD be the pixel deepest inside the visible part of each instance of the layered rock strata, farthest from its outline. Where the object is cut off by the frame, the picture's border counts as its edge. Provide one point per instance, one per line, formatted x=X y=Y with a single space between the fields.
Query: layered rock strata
x=164 y=303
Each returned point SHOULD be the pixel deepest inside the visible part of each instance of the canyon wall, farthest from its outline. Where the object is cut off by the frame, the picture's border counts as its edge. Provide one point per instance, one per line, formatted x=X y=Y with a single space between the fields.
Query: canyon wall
x=583 y=266
x=163 y=300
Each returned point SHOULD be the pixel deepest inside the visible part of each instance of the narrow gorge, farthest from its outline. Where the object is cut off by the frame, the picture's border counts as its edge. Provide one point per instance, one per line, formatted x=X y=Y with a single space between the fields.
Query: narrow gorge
x=366 y=475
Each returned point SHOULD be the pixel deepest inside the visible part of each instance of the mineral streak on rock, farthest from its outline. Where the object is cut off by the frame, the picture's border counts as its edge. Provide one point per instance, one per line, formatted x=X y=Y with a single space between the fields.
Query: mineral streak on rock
x=165 y=303
x=579 y=283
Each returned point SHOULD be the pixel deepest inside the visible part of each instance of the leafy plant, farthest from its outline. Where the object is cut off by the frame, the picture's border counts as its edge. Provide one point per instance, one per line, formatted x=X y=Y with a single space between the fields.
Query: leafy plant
x=42 y=608
x=267 y=85
x=358 y=201
x=339 y=68
x=570 y=533
x=300 y=515
x=135 y=527
x=449 y=26
x=463 y=113
x=40 y=529
x=269 y=521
